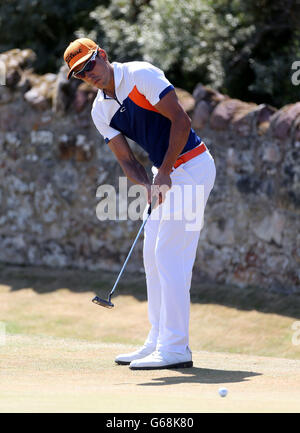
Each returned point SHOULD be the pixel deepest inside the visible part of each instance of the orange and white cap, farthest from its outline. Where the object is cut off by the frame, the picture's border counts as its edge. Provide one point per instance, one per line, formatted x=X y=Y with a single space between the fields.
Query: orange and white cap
x=78 y=52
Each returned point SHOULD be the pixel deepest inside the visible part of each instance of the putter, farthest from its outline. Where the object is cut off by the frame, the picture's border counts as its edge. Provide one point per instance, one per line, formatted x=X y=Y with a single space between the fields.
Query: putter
x=107 y=302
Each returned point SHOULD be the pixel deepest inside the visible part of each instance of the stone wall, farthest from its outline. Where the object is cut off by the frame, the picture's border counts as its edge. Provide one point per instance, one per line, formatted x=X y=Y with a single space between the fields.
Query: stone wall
x=52 y=159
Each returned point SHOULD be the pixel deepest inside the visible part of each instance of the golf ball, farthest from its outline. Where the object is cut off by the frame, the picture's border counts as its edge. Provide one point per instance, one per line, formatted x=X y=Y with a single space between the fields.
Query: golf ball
x=223 y=392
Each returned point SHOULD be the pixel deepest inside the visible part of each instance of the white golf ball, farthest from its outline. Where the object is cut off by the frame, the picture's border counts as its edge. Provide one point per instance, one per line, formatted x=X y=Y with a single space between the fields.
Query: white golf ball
x=223 y=392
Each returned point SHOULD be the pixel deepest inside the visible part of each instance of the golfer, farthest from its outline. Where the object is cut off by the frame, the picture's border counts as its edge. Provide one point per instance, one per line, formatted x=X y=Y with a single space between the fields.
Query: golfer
x=137 y=101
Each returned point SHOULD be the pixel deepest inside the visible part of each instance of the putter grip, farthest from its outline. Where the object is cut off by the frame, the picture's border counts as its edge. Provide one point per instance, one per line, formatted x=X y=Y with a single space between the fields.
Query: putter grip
x=151 y=205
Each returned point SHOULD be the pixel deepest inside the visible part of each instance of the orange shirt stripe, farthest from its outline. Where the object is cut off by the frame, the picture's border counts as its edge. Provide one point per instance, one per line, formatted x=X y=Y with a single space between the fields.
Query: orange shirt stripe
x=140 y=100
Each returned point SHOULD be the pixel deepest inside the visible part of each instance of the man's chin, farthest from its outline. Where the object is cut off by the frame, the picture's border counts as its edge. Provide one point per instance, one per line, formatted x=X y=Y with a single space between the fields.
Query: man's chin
x=98 y=84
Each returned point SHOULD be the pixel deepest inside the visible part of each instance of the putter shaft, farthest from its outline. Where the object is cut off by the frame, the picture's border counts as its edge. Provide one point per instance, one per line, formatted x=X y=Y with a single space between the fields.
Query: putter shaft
x=108 y=303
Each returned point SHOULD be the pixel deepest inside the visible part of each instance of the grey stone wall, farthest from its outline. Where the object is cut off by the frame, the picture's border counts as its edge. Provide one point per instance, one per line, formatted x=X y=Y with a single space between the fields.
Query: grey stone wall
x=52 y=159
x=252 y=226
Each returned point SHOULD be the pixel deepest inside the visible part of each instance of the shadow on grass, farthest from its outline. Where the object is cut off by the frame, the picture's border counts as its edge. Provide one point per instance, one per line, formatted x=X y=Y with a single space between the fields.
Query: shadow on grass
x=45 y=280
x=203 y=375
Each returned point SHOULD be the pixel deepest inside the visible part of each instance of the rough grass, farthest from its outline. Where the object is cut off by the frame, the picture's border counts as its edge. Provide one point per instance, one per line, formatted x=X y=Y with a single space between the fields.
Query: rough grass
x=223 y=319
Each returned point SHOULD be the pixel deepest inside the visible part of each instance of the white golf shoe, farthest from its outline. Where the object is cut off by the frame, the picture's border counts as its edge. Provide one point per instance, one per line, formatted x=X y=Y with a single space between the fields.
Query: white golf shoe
x=161 y=360
x=126 y=358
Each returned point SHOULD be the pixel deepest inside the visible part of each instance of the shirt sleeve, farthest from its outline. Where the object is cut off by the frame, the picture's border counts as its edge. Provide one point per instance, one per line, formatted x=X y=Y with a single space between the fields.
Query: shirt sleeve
x=151 y=82
x=105 y=130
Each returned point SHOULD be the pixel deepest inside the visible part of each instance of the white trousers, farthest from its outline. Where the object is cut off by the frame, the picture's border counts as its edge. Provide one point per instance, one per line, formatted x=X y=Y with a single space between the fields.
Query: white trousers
x=170 y=244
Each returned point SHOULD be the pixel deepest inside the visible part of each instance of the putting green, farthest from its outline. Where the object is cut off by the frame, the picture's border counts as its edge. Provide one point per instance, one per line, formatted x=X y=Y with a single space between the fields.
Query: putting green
x=46 y=374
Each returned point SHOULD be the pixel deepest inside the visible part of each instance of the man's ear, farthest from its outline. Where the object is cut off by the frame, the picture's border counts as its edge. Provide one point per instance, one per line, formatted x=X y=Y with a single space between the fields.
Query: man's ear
x=102 y=53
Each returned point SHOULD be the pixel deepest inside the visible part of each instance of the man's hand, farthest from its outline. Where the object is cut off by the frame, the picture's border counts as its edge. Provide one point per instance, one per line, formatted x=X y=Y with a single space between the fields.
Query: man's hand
x=161 y=184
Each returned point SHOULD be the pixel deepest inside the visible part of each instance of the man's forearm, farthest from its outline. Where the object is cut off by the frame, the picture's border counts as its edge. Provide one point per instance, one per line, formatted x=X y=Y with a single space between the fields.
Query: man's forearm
x=179 y=134
x=135 y=172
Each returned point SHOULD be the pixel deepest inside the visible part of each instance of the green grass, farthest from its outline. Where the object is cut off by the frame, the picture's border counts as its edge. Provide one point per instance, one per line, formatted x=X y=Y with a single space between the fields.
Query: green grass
x=13 y=328
x=39 y=301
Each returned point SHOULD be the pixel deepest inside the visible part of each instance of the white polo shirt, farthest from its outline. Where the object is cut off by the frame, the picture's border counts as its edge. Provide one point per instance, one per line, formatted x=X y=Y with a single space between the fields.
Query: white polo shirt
x=138 y=87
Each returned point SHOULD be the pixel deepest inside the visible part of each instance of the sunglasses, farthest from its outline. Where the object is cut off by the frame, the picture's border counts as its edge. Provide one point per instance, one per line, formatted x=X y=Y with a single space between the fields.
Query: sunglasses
x=89 y=66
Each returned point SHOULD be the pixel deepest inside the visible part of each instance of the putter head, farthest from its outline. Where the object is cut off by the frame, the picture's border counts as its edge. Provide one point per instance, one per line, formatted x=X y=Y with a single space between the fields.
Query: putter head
x=103 y=302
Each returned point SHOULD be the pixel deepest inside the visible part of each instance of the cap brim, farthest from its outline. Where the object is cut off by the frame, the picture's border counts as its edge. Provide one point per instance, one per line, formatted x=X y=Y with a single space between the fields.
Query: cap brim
x=80 y=62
